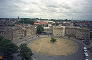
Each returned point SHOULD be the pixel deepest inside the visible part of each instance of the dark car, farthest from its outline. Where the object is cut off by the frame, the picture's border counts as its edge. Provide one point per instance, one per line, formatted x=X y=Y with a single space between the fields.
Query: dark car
x=86 y=42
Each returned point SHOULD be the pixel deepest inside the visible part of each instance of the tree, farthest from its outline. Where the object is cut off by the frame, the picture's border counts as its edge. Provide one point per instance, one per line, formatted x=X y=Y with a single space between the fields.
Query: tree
x=26 y=21
x=53 y=40
x=40 y=29
x=25 y=52
x=7 y=48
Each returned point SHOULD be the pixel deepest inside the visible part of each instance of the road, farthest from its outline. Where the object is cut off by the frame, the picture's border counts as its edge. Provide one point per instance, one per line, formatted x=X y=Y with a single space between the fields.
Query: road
x=81 y=42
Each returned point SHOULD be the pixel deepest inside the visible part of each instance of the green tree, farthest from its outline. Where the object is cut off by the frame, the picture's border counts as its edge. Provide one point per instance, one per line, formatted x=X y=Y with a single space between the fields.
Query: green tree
x=25 y=52
x=53 y=40
x=7 y=48
x=40 y=29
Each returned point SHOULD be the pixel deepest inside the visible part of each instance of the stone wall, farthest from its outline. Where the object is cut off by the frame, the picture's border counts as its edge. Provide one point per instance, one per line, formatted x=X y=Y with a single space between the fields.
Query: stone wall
x=18 y=32
x=75 y=32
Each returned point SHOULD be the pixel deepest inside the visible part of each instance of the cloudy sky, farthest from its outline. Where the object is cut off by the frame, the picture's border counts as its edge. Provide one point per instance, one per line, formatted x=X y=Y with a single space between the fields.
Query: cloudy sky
x=59 y=9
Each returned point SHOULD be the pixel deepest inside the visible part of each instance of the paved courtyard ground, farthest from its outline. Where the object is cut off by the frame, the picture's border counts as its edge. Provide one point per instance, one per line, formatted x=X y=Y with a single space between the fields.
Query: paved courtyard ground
x=78 y=55
x=60 y=47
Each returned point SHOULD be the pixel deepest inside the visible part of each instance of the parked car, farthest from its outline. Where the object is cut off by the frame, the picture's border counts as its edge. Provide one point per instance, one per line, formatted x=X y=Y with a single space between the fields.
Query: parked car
x=86 y=42
x=86 y=59
x=86 y=54
x=85 y=49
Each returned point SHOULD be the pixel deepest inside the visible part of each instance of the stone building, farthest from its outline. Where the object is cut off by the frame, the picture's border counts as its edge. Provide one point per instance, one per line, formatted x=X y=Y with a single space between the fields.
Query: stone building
x=58 y=30
x=30 y=31
x=70 y=31
x=75 y=32
x=5 y=32
x=83 y=34
x=17 y=32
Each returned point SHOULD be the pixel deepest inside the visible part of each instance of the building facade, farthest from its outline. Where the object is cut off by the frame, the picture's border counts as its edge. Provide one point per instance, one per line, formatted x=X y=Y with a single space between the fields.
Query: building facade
x=75 y=32
x=17 y=32
x=58 y=30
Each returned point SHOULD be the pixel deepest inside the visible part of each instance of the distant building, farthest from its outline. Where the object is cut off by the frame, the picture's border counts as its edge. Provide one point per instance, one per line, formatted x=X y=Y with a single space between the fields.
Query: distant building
x=83 y=23
x=67 y=24
x=8 y=21
x=47 y=25
x=42 y=23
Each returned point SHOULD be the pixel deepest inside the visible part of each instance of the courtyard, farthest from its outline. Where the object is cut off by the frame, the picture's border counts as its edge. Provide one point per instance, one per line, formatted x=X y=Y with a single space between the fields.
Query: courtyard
x=60 y=47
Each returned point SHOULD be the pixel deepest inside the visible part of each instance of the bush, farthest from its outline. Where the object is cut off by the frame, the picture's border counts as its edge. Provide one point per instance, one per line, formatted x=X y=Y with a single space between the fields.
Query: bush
x=53 y=40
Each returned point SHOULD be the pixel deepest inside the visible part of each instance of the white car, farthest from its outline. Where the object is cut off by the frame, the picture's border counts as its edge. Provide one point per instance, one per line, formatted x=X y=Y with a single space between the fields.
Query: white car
x=85 y=48
x=86 y=59
x=86 y=54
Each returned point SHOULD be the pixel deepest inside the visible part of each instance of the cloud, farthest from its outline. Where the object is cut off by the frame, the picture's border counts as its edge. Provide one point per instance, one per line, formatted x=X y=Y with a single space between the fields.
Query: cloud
x=77 y=9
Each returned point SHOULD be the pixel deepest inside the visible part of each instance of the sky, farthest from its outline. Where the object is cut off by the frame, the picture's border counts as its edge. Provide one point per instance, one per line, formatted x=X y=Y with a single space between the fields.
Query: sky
x=57 y=9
